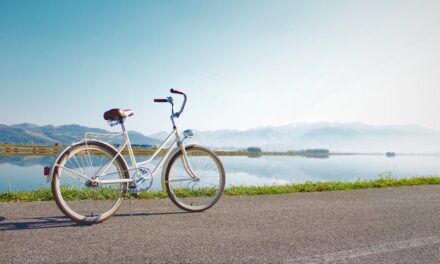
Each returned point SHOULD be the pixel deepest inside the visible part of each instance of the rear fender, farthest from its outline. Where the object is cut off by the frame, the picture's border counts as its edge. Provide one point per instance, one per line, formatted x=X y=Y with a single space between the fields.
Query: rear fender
x=65 y=150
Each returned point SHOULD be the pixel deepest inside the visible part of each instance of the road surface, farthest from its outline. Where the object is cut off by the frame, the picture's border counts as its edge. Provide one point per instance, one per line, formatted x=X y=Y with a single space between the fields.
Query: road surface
x=393 y=225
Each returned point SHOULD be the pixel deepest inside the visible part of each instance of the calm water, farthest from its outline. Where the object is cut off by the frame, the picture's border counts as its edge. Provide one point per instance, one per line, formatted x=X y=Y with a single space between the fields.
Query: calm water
x=26 y=173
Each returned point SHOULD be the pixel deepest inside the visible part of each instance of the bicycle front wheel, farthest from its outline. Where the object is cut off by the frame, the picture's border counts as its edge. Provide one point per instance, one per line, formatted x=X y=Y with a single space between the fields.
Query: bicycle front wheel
x=195 y=194
x=73 y=186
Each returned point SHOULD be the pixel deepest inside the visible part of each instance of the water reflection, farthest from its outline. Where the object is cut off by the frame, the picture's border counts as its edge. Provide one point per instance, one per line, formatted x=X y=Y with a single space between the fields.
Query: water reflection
x=293 y=169
x=27 y=161
x=26 y=172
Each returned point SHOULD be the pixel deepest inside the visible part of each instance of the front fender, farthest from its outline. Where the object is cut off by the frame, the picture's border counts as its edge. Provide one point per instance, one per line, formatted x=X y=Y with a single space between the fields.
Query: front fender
x=167 y=161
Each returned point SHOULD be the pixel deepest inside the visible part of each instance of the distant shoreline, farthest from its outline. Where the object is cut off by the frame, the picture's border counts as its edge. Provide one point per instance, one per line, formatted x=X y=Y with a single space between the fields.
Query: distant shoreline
x=46 y=150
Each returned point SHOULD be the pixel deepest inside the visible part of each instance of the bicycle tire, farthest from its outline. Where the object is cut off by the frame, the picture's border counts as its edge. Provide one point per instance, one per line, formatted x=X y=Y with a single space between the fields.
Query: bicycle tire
x=203 y=197
x=70 y=192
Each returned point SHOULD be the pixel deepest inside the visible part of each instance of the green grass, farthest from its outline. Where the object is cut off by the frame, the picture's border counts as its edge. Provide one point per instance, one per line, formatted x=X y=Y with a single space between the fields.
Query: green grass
x=102 y=194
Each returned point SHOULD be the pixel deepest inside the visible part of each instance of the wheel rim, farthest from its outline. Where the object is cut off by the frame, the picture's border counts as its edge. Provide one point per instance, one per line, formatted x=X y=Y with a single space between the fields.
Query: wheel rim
x=196 y=195
x=77 y=197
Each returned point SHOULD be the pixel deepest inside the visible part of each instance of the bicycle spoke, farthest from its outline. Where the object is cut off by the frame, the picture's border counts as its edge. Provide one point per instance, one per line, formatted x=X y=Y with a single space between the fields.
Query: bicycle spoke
x=74 y=173
x=81 y=199
x=180 y=180
x=200 y=194
x=90 y=163
x=79 y=166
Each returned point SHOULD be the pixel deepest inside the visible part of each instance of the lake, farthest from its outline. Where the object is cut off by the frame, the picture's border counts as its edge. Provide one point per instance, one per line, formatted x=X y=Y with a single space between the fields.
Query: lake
x=26 y=172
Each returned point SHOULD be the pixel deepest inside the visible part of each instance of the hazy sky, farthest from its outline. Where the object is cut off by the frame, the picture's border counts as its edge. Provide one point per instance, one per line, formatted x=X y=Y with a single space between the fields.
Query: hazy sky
x=243 y=63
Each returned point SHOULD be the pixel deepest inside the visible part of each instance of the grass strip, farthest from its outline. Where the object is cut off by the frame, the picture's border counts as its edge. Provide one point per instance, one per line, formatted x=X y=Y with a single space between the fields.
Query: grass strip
x=103 y=194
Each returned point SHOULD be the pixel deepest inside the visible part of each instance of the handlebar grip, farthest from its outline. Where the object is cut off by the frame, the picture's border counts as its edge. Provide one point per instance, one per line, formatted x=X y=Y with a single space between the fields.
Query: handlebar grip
x=175 y=91
x=160 y=100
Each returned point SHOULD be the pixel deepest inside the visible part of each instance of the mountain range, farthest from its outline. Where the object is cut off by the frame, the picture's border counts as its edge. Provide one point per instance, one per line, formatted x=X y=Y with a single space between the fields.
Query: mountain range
x=49 y=135
x=337 y=137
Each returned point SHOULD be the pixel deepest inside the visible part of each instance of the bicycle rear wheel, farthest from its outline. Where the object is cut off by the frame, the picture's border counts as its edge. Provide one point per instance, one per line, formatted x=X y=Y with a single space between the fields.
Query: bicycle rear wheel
x=195 y=194
x=74 y=191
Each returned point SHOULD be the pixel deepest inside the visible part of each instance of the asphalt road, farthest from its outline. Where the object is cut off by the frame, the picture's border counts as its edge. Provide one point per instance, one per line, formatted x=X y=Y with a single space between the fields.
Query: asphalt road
x=394 y=225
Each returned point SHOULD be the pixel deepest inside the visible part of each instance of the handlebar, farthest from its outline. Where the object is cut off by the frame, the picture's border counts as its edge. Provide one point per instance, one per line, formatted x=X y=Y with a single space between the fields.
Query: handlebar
x=170 y=100
x=175 y=91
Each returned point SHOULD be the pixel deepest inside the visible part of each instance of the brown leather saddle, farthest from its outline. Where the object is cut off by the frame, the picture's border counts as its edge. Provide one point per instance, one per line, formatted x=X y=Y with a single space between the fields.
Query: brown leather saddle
x=117 y=114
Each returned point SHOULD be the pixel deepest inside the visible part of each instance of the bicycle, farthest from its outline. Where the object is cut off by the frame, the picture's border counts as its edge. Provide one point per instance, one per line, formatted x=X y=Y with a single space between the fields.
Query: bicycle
x=90 y=178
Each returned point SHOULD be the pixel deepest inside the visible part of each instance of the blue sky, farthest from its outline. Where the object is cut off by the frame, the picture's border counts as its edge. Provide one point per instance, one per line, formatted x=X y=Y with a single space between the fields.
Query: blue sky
x=243 y=63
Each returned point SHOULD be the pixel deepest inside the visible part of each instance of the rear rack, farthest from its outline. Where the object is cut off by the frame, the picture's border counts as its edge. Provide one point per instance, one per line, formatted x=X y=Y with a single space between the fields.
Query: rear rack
x=98 y=136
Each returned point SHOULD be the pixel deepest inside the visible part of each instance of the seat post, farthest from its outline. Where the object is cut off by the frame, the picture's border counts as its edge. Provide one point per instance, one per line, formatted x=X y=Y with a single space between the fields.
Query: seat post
x=123 y=127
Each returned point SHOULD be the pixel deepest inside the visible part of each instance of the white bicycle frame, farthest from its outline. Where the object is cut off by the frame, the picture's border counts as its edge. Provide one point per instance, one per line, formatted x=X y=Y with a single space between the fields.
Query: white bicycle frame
x=136 y=165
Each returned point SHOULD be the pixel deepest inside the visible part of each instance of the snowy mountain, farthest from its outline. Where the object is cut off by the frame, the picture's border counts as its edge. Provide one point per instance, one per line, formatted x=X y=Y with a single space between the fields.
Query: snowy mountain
x=340 y=137
x=337 y=137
